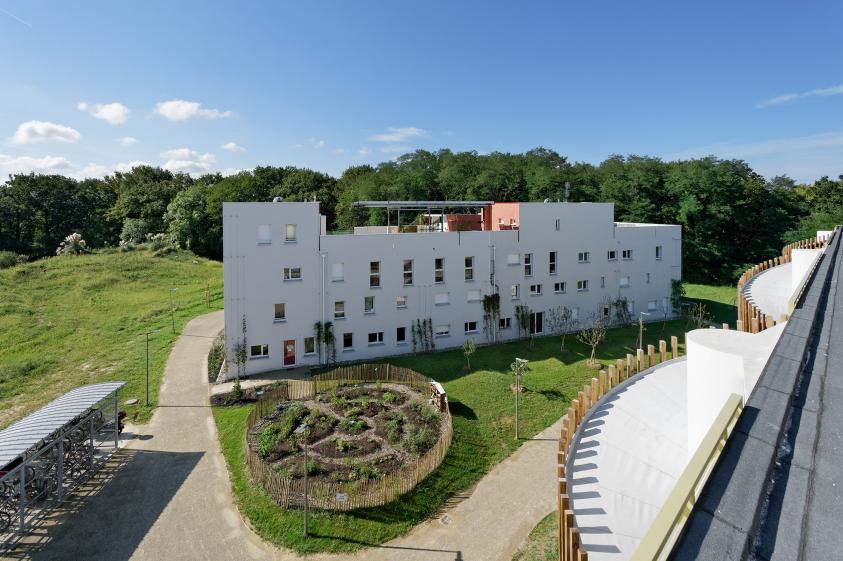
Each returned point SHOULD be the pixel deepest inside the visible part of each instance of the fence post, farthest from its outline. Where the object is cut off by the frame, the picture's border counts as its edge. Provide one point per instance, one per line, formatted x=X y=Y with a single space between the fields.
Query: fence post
x=602 y=376
x=629 y=372
x=662 y=351
x=674 y=346
x=639 y=360
x=650 y=358
x=621 y=369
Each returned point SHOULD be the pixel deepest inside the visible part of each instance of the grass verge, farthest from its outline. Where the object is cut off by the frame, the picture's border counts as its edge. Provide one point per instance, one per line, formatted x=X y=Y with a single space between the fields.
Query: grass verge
x=483 y=408
x=719 y=301
x=541 y=544
x=75 y=320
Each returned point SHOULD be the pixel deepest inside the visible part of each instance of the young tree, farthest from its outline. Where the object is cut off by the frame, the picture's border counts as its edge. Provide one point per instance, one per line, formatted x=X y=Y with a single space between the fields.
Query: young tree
x=677 y=293
x=698 y=315
x=522 y=316
x=468 y=349
x=560 y=321
x=592 y=336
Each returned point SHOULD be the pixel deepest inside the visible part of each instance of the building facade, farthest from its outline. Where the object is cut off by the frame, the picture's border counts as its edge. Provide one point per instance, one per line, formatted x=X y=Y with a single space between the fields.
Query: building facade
x=284 y=274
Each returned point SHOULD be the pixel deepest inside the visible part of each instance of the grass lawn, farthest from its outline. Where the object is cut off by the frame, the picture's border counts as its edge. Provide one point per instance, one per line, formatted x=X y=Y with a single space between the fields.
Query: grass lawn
x=541 y=544
x=719 y=301
x=70 y=321
x=483 y=409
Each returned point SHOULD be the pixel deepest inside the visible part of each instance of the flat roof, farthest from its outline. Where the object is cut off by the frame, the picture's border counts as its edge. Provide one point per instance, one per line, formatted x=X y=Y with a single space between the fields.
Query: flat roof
x=418 y=204
x=26 y=434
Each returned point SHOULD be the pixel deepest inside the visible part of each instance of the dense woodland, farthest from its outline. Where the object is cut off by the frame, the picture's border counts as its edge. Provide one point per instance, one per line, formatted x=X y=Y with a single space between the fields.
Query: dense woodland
x=731 y=216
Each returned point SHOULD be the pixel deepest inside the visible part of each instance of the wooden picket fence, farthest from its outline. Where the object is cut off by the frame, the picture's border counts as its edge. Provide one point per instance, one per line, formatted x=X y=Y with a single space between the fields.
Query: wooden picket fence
x=570 y=546
x=344 y=496
x=750 y=318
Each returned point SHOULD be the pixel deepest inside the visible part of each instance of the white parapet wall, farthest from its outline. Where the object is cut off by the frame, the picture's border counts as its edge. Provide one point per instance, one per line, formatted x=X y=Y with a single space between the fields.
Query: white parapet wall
x=720 y=363
x=802 y=261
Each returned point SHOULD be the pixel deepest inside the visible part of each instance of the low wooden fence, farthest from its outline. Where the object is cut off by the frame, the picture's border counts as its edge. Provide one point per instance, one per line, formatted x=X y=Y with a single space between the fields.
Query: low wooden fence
x=344 y=496
x=750 y=318
x=570 y=546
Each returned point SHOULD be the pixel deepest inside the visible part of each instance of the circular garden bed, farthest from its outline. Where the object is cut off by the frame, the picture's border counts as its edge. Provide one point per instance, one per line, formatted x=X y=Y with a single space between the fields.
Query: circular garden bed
x=367 y=443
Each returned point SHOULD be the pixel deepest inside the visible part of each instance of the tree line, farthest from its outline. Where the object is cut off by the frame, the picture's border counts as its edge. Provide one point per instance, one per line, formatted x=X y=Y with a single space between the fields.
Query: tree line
x=731 y=216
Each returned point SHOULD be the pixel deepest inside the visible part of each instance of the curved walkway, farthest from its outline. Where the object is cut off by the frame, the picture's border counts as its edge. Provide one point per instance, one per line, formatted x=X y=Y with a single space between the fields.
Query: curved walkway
x=770 y=290
x=169 y=495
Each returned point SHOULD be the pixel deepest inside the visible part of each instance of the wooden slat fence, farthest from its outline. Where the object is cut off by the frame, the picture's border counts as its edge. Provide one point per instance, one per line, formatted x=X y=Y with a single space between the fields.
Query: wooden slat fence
x=570 y=546
x=358 y=494
x=750 y=318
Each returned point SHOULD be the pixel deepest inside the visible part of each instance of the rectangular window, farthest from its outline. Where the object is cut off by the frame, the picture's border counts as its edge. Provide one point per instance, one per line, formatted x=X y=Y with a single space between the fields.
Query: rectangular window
x=558 y=224
x=652 y=305
x=292 y=273
x=613 y=255
x=401 y=302
x=559 y=287
x=374 y=274
x=337 y=272
x=259 y=351
x=583 y=256
x=376 y=338
x=348 y=340
x=626 y=254
x=471 y=327
x=264 y=234
x=535 y=290
x=504 y=323
x=606 y=311
x=552 y=262
x=516 y=289
x=513 y=259
x=474 y=296
x=528 y=264
x=624 y=282
x=408 y=272
x=280 y=312
x=658 y=252
x=648 y=278
x=368 y=304
x=401 y=335
x=290 y=233
x=309 y=345
x=536 y=323
x=441 y=298
x=339 y=310
x=442 y=330
x=439 y=270
x=582 y=286
x=469 y=268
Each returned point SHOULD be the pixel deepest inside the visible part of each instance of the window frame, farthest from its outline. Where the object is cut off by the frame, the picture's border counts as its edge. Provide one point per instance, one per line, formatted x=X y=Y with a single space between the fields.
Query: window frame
x=467 y=327
x=469 y=268
x=367 y=308
x=659 y=253
x=378 y=338
x=401 y=335
x=528 y=265
x=560 y=287
x=405 y=272
x=515 y=292
x=350 y=336
x=289 y=276
x=374 y=274
x=342 y=313
x=582 y=285
x=626 y=255
x=283 y=317
x=552 y=259
x=583 y=257
x=287 y=238
x=263 y=353
x=313 y=346
x=438 y=270
x=504 y=323
x=398 y=304
x=536 y=289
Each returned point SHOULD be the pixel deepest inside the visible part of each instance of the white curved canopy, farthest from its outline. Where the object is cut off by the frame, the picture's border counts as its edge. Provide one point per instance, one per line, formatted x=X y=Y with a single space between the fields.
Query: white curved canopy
x=29 y=432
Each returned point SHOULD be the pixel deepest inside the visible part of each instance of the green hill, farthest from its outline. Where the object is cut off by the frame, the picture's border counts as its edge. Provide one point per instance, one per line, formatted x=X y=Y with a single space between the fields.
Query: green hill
x=75 y=320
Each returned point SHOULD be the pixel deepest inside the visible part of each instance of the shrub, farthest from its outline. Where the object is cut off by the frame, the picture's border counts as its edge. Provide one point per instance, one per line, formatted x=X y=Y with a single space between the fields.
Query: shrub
x=352 y=424
x=156 y=242
x=354 y=412
x=338 y=401
x=342 y=445
x=363 y=471
x=268 y=439
x=127 y=246
x=389 y=397
x=420 y=440
x=215 y=357
x=8 y=259
x=72 y=245
x=134 y=230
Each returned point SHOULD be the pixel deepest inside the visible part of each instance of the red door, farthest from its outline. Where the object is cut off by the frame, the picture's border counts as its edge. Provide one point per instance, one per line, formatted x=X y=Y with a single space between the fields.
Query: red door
x=290 y=352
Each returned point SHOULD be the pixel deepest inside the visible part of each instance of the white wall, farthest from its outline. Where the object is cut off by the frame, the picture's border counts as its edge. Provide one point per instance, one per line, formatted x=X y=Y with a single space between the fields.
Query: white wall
x=801 y=262
x=253 y=272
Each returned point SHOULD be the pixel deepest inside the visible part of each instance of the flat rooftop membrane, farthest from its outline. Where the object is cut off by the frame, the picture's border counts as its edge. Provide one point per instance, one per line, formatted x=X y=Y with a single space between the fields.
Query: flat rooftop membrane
x=630 y=453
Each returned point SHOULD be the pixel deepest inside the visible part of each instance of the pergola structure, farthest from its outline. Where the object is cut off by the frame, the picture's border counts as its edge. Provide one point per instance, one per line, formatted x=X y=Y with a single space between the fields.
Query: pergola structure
x=427 y=206
x=45 y=456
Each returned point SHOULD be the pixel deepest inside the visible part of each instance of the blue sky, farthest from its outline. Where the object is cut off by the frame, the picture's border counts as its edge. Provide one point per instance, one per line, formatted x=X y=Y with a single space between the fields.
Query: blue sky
x=86 y=88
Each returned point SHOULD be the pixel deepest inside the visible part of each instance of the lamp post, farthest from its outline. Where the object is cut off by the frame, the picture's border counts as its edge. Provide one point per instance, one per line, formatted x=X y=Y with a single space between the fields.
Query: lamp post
x=172 y=310
x=148 y=333
x=302 y=430
x=641 y=328
x=518 y=368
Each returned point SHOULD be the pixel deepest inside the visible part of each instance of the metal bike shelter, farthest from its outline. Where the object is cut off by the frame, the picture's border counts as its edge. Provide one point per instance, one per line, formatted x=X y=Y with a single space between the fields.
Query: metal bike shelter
x=45 y=456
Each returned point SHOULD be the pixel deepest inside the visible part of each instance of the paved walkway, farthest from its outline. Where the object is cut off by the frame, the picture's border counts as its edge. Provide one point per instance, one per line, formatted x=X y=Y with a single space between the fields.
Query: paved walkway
x=170 y=498
x=770 y=290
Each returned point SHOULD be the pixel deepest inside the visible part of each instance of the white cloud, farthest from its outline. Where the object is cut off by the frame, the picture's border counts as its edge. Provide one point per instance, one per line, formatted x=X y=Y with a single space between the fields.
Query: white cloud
x=317 y=143
x=233 y=147
x=398 y=134
x=181 y=110
x=819 y=92
x=338 y=151
x=230 y=171
x=27 y=164
x=40 y=131
x=392 y=148
x=187 y=160
x=127 y=140
x=126 y=167
x=112 y=113
x=364 y=151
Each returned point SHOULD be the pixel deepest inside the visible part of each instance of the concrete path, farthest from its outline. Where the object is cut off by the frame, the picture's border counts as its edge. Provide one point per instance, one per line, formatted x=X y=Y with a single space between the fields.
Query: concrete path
x=770 y=290
x=169 y=495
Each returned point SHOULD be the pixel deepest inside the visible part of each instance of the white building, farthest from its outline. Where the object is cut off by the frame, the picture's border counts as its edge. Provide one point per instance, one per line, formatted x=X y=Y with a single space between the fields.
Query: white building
x=284 y=273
